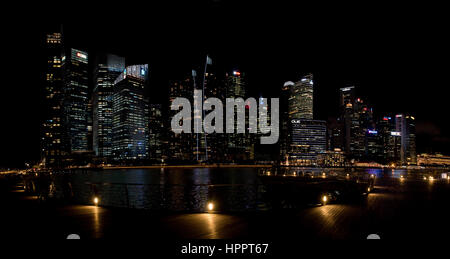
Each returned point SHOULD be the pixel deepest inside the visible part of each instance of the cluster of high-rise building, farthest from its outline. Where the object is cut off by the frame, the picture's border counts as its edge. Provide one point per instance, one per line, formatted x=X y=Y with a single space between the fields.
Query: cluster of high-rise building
x=302 y=137
x=105 y=116
x=357 y=136
x=105 y=120
x=361 y=137
x=203 y=147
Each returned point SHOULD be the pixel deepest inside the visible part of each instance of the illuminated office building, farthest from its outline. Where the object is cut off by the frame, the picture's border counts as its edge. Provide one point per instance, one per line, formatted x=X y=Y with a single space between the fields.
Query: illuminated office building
x=285 y=121
x=390 y=139
x=361 y=120
x=373 y=145
x=301 y=98
x=216 y=144
x=182 y=146
x=107 y=68
x=156 y=133
x=240 y=146
x=54 y=146
x=354 y=126
x=347 y=98
x=130 y=115
x=405 y=124
x=394 y=147
x=308 y=140
x=76 y=100
x=303 y=138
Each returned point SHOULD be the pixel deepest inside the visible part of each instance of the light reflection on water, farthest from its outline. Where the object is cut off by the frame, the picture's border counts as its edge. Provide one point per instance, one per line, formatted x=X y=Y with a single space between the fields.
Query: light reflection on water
x=190 y=189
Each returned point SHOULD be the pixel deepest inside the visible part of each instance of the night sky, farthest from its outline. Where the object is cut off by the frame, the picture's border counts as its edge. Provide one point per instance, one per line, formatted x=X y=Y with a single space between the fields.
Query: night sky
x=396 y=56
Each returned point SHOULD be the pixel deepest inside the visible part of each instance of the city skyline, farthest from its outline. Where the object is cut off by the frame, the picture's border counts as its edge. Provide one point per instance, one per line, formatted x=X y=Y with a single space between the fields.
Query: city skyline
x=225 y=127
x=431 y=132
x=80 y=117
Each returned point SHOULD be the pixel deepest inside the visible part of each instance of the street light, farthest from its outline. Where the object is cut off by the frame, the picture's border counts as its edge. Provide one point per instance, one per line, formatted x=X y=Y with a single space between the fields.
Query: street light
x=324 y=200
x=210 y=206
x=96 y=201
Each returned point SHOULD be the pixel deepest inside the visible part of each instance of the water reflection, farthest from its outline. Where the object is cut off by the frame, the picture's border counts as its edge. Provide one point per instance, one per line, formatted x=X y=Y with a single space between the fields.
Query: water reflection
x=237 y=189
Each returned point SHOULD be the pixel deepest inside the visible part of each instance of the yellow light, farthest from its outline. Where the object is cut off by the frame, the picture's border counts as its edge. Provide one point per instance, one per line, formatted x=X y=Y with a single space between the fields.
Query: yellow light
x=368 y=189
x=372 y=175
x=95 y=200
x=295 y=173
x=431 y=178
x=210 y=206
x=268 y=172
x=424 y=178
x=324 y=198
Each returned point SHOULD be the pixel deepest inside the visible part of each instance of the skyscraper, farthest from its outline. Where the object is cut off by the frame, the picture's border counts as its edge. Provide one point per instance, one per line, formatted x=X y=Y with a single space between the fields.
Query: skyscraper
x=107 y=68
x=240 y=146
x=361 y=121
x=301 y=99
x=308 y=140
x=285 y=124
x=390 y=139
x=181 y=146
x=54 y=146
x=216 y=144
x=405 y=124
x=347 y=98
x=374 y=146
x=357 y=128
x=156 y=133
x=130 y=115
x=76 y=99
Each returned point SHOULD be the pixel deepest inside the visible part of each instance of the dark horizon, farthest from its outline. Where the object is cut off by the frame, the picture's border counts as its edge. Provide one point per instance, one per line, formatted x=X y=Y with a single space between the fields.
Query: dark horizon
x=395 y=64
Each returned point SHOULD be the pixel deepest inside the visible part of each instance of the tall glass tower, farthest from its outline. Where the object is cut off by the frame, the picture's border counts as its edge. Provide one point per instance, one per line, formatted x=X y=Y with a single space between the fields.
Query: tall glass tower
x=405 y=124
x=130 y=115
x=301 y=101
x=239 y=145
x=76 y=100
x=108 y=67
x=54 y=147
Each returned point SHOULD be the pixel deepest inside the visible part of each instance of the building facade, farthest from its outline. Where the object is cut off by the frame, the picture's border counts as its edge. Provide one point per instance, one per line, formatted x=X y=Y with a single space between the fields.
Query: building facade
x=405 y=124
x=156 y=134
x=433 y=160
x=54 y=146
x=76 y=99
x=308 y=140
x=301 y=98
x=130 y=115
x=239 y=146
x=181 y=146
x=107 y=68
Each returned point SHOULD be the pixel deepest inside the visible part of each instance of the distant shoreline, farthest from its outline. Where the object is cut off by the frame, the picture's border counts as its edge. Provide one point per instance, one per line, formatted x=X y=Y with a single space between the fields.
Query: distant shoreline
x=183 y=166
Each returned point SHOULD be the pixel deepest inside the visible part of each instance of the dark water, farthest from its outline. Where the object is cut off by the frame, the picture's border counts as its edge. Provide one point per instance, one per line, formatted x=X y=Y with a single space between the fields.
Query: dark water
x=193 y=189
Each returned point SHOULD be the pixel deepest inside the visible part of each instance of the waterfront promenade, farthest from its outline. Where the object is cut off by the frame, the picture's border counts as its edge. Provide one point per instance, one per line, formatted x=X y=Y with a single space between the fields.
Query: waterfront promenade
x=395 y=210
